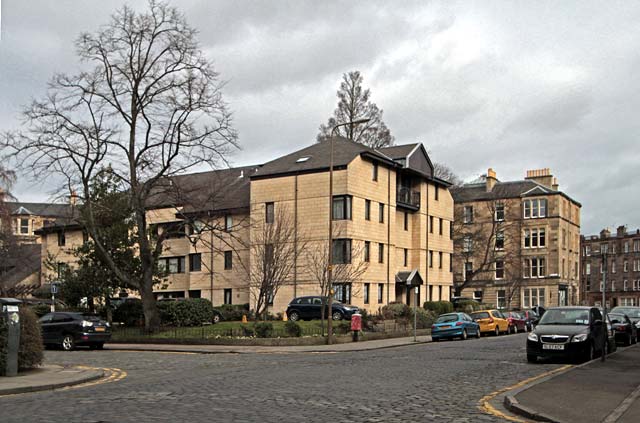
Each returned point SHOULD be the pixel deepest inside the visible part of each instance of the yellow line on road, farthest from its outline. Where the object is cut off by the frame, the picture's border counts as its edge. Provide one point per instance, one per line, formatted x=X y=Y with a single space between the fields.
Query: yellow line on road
x=485 y=403
x=114 y=375
x=159 y=352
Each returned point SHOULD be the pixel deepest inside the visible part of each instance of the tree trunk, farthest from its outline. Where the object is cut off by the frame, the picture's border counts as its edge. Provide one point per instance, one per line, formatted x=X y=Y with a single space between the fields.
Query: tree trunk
x=149 y=306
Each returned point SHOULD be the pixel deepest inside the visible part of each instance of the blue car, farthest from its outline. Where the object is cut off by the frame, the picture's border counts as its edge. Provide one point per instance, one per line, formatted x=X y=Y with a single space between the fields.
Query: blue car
x=454 y=325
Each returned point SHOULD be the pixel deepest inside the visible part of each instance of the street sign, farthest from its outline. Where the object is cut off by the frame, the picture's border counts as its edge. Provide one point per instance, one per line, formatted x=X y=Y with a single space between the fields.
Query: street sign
x=54 y=288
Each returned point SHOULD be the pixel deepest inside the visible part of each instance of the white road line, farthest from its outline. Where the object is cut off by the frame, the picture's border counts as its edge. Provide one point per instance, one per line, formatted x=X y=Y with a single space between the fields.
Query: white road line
x=623 y=407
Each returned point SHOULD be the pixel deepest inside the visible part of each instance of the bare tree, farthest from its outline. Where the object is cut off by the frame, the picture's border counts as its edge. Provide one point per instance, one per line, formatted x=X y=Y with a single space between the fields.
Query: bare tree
x=354 y=105
x=342 y=273
x=149 y=105
x=273 y=258
x=487 y=243
x=444 y=172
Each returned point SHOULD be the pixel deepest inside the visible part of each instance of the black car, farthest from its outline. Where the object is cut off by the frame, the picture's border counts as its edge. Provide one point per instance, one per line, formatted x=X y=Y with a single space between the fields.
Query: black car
x=530 y=318
x=67 y=329
x=624 y=329
x=307 y=308
x=633 y=313
x=569 y=332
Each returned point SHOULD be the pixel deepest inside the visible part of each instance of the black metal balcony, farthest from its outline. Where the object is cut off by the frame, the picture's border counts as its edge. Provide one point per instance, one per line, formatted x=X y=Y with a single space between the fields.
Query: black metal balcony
x=408 y=198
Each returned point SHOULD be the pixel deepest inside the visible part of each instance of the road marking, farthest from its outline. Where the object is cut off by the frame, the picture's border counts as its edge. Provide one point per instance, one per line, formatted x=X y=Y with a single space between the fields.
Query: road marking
x=486 y=407
x=623 y=407
x=157 y=352
x=114 y=375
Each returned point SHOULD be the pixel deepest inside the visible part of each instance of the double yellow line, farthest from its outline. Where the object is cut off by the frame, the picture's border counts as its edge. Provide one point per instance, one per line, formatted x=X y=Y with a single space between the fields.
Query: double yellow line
x=485 y=402
x=112 y=374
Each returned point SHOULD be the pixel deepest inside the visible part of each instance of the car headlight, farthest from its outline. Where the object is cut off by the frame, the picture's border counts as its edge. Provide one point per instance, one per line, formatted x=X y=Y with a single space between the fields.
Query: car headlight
x=532 y=337
x=579 y=338
x=86 y=323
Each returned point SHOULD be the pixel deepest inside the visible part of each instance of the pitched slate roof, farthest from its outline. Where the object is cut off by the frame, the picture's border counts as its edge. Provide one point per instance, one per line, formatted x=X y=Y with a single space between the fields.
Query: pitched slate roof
x=23 y=261
x=398 y=151
x=511 y=189
x=317 y=157
x=39 y=209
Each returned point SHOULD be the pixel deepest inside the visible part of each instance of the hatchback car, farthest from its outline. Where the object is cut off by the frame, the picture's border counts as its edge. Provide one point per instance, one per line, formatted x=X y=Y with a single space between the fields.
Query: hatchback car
x=491 y=321
x=454 y=325
x=67 y=330
x=531 y=319
x=624 y=329
x=517 y=322
x=307 y=308
x=577 y=333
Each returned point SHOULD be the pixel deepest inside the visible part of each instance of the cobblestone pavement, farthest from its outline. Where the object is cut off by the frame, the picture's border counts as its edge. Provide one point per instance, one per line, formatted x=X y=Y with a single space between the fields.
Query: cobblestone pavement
x=440 y=382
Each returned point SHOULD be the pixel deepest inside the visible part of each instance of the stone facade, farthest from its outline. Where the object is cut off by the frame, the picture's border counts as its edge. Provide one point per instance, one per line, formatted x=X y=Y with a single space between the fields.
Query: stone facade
x=537 y=259
x=622 y=268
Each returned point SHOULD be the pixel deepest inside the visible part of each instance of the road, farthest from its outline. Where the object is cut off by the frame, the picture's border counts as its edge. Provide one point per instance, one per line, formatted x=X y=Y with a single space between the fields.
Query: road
x=440 y=382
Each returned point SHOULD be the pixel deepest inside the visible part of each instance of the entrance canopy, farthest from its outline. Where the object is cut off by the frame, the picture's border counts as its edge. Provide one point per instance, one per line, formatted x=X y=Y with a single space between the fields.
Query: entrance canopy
x=409 y=278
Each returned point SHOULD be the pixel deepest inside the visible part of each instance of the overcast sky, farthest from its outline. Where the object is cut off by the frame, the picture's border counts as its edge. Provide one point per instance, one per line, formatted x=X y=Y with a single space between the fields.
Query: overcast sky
x=512 y=85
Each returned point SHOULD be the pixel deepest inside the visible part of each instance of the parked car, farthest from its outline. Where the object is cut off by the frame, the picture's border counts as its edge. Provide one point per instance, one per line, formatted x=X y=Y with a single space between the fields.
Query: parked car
x=306 y=308
x=612 y=345
x=625 y=331
x=633 y=313
x=491 y=321
x=539 y=310
x=577 y=333
x=516 y=320
x=531 y=319
x=67 y=330
x=454 y=325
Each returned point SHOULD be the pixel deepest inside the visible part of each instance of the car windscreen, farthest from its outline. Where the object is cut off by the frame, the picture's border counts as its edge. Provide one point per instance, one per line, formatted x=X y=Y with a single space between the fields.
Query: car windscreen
x=633 y=313
x=565 y=317
x=481 y=315
x=446 y=318
x=617 y=318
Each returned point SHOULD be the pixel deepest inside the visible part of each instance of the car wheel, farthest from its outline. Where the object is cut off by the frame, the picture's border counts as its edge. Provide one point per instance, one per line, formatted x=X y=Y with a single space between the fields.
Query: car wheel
x=464 y=334
x=478 y=334
x=515 y=329
x=67 y=343
x=531 y=358
x=497 y=332
x=216 y=318
x=294 y=316
x=336 y=315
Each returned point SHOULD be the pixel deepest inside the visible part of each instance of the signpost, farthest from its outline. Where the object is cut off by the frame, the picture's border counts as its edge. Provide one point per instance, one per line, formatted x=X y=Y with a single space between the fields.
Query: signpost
x=54 y=291
x=415 y=314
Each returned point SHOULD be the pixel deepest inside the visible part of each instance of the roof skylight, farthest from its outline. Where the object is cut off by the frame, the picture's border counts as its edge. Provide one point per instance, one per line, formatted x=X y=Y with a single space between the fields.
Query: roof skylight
x=303 y=159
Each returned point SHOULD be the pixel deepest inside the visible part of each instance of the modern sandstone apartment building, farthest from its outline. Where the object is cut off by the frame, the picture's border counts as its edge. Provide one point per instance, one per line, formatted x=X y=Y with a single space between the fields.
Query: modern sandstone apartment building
x=391 y=217
x=517 y=243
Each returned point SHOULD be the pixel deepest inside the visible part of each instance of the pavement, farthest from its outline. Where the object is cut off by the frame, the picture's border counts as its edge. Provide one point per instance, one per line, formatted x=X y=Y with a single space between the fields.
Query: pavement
x=48 y=377
x=249 y=349
x=593 y=392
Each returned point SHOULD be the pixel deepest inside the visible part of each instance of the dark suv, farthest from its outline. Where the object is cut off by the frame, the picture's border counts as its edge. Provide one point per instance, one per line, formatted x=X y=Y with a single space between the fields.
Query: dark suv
x=307 y=308
x=570 y=332
x=67 y=329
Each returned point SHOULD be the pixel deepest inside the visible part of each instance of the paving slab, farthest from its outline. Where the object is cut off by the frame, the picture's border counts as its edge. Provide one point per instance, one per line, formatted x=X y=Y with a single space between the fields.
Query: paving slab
x=46 y=378
x=588 y=393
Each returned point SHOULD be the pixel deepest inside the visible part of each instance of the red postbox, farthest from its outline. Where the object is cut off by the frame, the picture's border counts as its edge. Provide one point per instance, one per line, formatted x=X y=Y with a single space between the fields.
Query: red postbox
x=356 y=325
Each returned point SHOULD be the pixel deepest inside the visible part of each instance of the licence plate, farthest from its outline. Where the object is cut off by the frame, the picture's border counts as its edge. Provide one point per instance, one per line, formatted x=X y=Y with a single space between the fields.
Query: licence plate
x=445 y=327
x=99 y=329
x=552 y=347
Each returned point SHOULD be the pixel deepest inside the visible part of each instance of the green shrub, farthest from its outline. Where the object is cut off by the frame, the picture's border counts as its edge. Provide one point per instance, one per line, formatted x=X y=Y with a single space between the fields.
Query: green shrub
x=469 y=306
x=129 y=313
x=234 y=312
x=30 y=353
x=293 y=329
x=187 y=312
x=248 y=331
x=40 y=309
x=3 y=344
x=342 y=327
x=264 y=330
x=396 y=311
x=424 y=318
x=439 y=307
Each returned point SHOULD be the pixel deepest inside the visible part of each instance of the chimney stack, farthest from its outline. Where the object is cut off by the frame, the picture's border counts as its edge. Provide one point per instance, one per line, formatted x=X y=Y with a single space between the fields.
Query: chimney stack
x=542 y=176
x=491 y=179
x=622 y=230
x=555 y=184
x=605 y=233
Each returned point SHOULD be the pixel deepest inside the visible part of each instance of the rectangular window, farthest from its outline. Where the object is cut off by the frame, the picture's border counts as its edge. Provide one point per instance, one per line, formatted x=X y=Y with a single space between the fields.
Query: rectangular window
x=374 y=173
x=380 y=292
x=430 y=259
x=62 y=239
x=613 y=266
x=228 y=222
x=440 y=259
x=24 y=226
x=366 y=293
x=542 y=240
x=381 y=213
x=626 y=247
x=468 y=214
x=341 y=207
x=406 y=221
x=430 y=224
x=269 y=212
x=499 y=269
x=228 y=296
x=406 y=257
x=195 y=262
x=467 y=244
x=535 y=208
x=625 y=266
x=367 y=251
x=499 y=212
x=380 y=253
x=437 y=193
x=532 y=297
x=228 y=260
x=468 y=270
x=62 y=270
x=341 y=251
x=501 y=299
x=500 y=240
x=440 y=227
x=450 y=263
x=450 y=230
x=636 y=245
x=588 y=269
x=172 y=264
x=367 y=209
x=342 y=292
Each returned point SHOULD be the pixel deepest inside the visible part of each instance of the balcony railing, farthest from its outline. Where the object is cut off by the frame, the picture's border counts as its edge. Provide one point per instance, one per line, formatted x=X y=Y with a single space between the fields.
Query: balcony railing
x=408 y=198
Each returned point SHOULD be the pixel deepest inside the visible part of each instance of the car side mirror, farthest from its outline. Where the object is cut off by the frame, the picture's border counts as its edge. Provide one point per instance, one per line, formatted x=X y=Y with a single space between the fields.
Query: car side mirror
x=597 y=323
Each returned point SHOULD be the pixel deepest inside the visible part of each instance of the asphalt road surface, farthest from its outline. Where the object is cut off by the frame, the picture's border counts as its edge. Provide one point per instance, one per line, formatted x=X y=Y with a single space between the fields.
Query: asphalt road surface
x=440 y=382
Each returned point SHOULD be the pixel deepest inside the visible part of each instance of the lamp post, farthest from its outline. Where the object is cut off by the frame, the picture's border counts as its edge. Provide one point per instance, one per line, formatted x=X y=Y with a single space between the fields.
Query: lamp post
x=330 y=258
x=604 y=306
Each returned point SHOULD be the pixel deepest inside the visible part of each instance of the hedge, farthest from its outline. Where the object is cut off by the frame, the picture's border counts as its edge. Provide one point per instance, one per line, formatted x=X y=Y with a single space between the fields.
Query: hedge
x=293 y=329
x=396 y=311
x=187 y=312
x=129 y=313
x=439 y=307
x=469 y=306
x=30 y=353
x=264 y=330
x=3 y=344
x=234 y=312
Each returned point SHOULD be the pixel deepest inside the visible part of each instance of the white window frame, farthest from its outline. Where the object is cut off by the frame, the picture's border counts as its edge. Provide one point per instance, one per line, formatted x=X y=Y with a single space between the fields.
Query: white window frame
x=467 y=214
x=496 y=268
